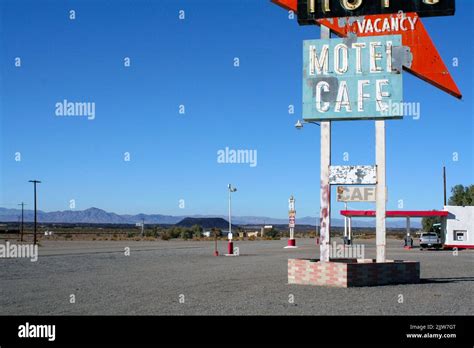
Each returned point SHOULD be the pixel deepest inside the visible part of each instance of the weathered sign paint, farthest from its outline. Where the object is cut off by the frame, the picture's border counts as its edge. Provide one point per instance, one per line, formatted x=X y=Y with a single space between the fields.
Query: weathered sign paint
x=311 y=10
x=352 y=175
x=352 y=78
x=426 y=64
x=356 y=193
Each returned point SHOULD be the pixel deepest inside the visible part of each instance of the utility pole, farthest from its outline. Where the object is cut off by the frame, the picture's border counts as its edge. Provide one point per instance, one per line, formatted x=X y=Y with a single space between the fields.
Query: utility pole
x=22 y=219
x=143 y=227
x=34 y=233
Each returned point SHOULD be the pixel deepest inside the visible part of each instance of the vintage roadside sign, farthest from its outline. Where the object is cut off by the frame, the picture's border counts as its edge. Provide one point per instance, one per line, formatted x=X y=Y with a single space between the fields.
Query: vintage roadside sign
x=356 y=193
x=311 y=10
x=352 y=175
x=352 y=78
x=426 y=62
x=292 y=218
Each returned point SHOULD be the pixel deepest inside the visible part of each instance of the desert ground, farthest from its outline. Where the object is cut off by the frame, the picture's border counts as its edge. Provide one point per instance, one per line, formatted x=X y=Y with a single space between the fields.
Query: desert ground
x=179 y=277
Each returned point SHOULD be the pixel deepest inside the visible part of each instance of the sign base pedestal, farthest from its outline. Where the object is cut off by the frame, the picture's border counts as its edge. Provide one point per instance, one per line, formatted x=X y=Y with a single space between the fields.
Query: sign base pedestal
x=230 y=248
x=291 y=244
x=345 y=273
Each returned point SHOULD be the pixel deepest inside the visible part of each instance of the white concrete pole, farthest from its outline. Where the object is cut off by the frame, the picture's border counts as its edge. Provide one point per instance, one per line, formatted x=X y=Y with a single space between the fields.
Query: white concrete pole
x=408 y=232
x=408 y=227
x=345 y=226
x=325 y=188
x=345 y=222
x=350 y=228
x=381 y=191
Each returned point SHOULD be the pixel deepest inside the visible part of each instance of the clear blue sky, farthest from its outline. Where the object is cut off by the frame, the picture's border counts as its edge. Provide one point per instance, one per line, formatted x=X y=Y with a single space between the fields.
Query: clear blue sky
x=190 y=62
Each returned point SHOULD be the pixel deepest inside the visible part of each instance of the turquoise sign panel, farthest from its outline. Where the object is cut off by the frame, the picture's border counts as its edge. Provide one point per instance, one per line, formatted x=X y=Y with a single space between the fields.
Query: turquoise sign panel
x=353 y=78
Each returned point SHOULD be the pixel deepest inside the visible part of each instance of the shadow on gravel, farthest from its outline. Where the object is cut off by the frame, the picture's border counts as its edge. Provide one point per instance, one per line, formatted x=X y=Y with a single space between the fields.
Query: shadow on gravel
x=446 y=280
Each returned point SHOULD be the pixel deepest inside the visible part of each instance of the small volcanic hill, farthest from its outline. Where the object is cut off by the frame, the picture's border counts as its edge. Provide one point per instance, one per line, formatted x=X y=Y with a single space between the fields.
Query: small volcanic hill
x=205 y=223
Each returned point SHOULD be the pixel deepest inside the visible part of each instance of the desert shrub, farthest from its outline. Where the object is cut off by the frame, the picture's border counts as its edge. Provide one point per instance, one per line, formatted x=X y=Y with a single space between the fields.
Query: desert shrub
x=130 y=234
x=151 y=233
x=252 y=238
x=186 y=234
x=273 y=233
x=165 y=236
x=197 y=231
x=175 y=232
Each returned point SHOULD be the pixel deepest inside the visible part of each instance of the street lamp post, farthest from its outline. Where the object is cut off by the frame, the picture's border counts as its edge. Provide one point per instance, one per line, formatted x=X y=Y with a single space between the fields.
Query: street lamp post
x=34 y=233
x=230 y=245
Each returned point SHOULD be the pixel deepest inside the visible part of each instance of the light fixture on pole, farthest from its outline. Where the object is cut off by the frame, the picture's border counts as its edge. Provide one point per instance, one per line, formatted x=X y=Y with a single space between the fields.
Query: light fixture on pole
x=36 y=215
x=300 y=124
x=230 y=245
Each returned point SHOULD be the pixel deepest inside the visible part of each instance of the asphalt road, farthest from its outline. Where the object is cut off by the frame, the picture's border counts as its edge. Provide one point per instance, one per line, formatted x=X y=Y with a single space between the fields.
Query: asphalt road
x=184 y=278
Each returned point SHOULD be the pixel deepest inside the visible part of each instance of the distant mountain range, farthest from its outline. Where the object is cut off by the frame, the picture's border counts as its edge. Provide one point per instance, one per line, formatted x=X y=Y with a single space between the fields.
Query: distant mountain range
x=99 y=216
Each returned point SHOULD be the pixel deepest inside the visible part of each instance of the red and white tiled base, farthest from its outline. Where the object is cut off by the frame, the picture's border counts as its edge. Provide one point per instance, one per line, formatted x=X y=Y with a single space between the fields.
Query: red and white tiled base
x=344 y=273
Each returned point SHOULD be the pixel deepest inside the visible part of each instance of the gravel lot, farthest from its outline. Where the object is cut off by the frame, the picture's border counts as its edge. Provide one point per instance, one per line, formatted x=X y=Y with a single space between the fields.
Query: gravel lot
x=156 y=275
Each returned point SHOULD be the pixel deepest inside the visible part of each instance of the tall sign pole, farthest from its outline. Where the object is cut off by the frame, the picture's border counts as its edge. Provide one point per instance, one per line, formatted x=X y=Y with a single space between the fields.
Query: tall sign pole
x=380 y=190
x=291 y=222
x=325 y=188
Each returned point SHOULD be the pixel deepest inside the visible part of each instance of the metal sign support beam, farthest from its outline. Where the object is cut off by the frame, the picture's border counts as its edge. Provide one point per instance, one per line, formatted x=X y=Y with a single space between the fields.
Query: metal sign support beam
x=380 y=190
x=325 y=187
